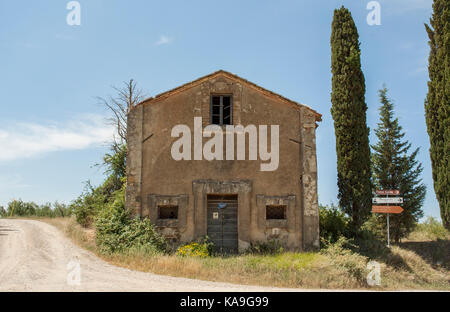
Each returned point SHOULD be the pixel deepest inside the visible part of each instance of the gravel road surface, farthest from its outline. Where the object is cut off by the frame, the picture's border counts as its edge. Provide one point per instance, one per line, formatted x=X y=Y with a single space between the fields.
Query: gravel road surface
x=36 y=256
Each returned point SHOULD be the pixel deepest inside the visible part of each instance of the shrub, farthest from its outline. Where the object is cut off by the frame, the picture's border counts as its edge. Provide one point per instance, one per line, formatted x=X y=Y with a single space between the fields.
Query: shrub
x=88 y=204
x=116 y=231
x=61 y=210
x=345 y=260
x=21 y=208
x=333 y=224
x=271 y=246
x=433 y=229
x=31 y=209
x=200 y=250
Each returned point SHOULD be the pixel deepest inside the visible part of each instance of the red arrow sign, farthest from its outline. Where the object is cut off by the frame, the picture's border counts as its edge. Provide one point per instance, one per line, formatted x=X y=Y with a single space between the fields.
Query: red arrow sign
x=387 y=209
x=387 y=192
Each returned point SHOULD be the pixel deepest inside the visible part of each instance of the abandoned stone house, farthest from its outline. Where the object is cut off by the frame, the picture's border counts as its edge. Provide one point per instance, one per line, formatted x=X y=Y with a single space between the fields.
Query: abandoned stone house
x=231 y=200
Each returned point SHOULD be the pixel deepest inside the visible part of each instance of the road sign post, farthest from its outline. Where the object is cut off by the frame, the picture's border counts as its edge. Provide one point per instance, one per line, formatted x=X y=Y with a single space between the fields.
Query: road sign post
x=388 y=228
x=386 y=208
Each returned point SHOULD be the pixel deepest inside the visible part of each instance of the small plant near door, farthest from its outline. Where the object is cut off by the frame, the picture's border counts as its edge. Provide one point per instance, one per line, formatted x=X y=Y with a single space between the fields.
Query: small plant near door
x=201 y=249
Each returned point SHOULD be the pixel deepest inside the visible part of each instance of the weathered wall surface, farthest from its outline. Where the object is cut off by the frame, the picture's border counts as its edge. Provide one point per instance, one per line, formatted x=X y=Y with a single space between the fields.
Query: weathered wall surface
x=152 y=171
x=133 y=198
x=309 y=180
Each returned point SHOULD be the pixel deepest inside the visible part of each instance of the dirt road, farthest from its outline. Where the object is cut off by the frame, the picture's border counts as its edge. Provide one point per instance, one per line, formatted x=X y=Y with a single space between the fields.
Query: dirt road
x=35 y=256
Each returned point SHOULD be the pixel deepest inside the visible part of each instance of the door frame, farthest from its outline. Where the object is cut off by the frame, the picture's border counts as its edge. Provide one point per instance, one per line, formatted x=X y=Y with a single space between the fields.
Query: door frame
x=243 y=189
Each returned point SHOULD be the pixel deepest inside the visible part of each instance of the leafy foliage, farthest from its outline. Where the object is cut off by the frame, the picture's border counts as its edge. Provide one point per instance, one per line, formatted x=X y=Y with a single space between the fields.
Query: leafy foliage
x=94 y=199
x=31 y=209
x=333 y=224
x=394 y=168
x=437 y=104
x=433 y=229
x=88 y=204
x=349 y=115
x=201 y=249
x=116 y=231
x=116 y=166
x=350 y=263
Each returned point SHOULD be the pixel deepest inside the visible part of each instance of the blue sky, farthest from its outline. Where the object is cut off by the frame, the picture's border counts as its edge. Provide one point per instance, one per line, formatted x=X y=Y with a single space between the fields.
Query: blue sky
x=52 y=130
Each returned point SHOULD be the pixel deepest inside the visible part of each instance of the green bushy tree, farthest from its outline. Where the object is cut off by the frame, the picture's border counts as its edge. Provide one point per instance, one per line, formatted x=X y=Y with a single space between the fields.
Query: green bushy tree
x=333 y=224
x=18 y=207
x=395 y=168
x=349 y=114
x=31 y=209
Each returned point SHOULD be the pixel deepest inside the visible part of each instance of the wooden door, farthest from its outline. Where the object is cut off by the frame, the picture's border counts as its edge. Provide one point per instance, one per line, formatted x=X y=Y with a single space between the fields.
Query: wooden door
x=222 y=223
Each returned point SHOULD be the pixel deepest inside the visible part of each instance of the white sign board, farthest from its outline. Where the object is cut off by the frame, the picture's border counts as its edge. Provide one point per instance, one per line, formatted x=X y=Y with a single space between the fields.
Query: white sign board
x=387 y=200
x=215 y=215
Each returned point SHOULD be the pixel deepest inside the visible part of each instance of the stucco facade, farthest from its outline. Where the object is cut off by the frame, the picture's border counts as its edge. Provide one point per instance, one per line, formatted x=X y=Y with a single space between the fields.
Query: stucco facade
x=155 y=179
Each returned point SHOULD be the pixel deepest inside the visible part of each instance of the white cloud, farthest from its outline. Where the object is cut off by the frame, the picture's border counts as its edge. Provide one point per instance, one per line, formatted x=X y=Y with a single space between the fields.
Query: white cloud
x=164 y=40
x=25 y=140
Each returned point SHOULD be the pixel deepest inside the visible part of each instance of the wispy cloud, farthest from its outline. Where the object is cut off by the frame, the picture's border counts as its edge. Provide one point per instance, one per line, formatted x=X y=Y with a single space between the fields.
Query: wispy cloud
x=25 y=140
x=164 y=40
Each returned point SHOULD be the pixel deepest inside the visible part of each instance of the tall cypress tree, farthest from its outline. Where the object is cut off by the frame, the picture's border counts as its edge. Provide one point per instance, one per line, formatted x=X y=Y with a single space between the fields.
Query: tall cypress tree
x=394 y=169
x=349 y=115
x=437 y=105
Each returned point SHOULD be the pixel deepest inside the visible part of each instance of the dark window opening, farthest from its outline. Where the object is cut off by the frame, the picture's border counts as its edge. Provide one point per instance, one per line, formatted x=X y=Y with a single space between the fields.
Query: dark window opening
x=276 y=212
x=221 y=110
x=167 y=212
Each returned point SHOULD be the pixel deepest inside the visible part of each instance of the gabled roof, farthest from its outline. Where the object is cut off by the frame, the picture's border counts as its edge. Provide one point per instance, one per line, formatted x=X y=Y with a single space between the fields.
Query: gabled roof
x=231 y=76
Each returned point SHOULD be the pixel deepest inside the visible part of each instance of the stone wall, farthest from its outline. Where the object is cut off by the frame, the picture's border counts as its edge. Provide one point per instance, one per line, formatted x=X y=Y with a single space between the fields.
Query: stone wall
x=309 y=181
x=155 y=177
x=133 y=198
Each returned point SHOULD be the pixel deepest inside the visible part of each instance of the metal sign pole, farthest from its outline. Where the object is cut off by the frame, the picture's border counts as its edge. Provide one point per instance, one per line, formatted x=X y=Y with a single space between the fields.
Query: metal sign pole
x=388 y=228
x=388 y=225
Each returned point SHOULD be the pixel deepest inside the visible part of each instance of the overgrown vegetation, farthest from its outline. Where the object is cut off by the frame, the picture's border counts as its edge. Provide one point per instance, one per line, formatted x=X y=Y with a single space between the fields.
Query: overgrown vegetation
x=430 y=229
x=116 y=231
x=95 y=199
x=333 y=224
x=20 y=208
x=202 y=249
